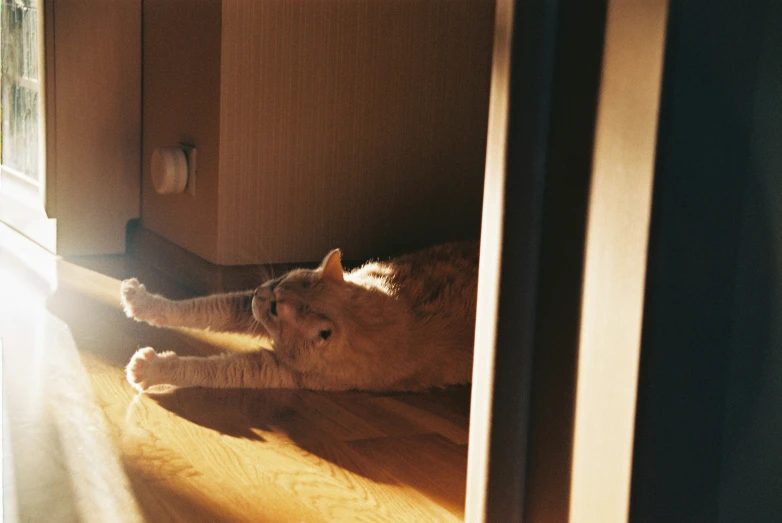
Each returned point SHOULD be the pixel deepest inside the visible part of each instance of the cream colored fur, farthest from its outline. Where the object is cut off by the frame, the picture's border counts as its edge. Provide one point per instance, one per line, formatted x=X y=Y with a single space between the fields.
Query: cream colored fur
x=405 y=324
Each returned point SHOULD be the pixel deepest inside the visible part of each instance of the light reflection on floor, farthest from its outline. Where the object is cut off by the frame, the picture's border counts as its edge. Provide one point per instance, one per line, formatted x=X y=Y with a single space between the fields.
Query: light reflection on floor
x=54 y=430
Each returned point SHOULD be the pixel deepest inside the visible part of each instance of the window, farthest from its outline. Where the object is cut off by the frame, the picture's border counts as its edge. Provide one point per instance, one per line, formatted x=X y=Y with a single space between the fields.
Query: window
x=19 y=145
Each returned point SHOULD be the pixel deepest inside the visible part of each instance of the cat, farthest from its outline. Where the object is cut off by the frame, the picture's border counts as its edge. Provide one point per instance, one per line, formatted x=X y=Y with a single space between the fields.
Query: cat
x=406 y=324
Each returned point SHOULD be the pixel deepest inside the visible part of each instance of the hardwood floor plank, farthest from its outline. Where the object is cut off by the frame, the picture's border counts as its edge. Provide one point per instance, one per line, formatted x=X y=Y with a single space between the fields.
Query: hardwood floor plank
x=426 y=420
x=451 y=404
x=411 y=459
x=387 y=421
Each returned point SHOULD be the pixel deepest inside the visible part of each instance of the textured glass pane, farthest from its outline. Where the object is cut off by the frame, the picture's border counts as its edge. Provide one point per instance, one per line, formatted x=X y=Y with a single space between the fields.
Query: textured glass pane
x=19 y=37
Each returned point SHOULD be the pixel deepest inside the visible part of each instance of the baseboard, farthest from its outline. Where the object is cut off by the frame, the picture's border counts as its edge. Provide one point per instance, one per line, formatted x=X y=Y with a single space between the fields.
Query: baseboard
x=194 y=272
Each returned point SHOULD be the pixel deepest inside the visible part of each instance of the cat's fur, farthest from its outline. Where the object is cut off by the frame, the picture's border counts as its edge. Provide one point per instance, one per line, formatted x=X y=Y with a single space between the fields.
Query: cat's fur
x=405 y=324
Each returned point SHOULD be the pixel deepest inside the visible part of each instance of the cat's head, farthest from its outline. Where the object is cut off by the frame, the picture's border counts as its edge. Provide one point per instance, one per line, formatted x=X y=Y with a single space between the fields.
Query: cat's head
x=301 y=309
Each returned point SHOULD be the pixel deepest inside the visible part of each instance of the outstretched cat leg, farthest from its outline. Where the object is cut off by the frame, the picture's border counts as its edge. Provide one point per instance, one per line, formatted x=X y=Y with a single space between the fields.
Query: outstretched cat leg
x=218 y=312
x=258 y=370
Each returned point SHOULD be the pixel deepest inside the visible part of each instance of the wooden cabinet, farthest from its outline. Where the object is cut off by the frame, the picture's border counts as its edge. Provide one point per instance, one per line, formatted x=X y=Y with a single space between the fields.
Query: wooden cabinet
x=351 y=124
x=78 y=64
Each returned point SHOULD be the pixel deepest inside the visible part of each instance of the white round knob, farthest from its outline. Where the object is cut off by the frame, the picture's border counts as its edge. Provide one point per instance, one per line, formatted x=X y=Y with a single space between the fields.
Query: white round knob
x=169 y=170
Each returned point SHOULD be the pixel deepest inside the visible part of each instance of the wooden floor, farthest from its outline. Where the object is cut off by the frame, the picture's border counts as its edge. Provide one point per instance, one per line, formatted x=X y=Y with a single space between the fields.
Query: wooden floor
x=81 y=445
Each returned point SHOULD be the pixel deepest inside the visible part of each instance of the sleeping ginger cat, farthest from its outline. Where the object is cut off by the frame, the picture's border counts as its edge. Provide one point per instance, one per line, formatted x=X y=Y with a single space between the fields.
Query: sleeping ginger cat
x=402 y=325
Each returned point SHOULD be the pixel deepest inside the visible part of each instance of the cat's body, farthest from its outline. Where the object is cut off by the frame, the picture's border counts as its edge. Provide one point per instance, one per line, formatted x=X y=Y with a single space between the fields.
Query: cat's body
x=405 y=324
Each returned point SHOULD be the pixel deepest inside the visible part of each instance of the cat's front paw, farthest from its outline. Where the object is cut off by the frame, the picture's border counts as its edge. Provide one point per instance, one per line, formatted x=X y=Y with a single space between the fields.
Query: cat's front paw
x=139 y=304
x=145 y=368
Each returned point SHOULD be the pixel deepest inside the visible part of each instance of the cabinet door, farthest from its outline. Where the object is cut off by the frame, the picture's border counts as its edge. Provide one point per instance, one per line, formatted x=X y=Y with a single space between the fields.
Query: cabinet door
x=71 y=122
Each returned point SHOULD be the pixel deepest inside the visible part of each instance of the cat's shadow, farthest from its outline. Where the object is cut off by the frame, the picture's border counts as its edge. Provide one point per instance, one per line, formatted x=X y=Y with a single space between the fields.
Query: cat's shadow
x=239 y=413
x=316 y=422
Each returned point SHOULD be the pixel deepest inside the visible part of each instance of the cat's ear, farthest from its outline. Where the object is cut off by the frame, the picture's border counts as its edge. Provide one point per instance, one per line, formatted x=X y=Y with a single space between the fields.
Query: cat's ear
x=332 y=266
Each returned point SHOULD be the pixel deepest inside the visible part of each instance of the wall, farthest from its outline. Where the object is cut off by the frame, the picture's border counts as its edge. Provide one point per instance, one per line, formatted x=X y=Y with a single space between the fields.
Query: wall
x=358 y=124
x=708 y=424
x=750 y=487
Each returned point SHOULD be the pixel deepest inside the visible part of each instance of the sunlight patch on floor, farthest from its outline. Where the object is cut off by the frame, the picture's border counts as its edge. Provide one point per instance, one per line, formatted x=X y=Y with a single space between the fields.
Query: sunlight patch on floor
x=65 y=465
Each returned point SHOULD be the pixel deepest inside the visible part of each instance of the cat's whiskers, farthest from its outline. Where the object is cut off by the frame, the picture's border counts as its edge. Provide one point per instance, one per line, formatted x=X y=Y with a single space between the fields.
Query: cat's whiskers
x=254 y=328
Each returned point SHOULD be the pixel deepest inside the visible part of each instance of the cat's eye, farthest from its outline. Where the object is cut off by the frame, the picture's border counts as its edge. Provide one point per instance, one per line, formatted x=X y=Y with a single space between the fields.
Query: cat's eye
x=325 y=334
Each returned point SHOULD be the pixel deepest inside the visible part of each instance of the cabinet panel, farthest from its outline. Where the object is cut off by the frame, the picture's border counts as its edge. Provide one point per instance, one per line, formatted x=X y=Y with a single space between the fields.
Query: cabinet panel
x=181 y=105
x=355 y=124
x=359 y=125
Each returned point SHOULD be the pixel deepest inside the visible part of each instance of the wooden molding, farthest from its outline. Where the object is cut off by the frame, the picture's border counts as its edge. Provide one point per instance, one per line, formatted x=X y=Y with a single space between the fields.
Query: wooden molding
x=198 y=274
